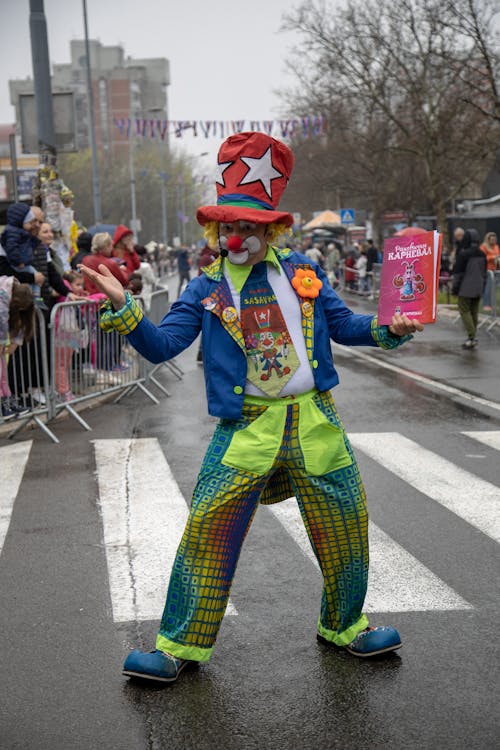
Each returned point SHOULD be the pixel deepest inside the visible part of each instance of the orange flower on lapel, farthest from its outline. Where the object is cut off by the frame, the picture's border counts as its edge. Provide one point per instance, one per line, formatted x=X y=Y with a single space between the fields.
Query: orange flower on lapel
x=306 y=283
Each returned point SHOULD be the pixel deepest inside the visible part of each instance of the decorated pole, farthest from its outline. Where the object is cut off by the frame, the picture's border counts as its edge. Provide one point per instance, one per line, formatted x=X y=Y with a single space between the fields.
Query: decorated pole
x=42 y=83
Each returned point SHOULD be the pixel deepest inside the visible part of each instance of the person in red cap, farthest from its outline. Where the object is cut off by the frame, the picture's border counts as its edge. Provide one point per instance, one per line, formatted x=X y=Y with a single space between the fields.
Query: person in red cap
x=124 y=250
x=267 y=317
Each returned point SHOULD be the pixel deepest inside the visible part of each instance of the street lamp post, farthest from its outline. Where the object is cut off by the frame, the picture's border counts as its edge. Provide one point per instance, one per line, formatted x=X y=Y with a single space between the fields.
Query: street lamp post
x=132 y=182
x=42 y=83
x=163 y=183
x=163 y=180
x=90 y=97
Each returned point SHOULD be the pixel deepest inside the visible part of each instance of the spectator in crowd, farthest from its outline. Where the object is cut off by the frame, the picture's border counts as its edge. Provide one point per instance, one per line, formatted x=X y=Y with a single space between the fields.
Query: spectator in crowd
x=360 y=266
x=70 y=333
x=19 y=239
x=101 y=254
x=469 y=278
x=25 y=372
x=16 y=325
x=135 y=284
x=332 y=262
x=108 y=354
x=315 y=254
x=305 y=245
x=149 y=279
x=207 y=256
x=183 y=268
x=371 y=260
x=371 y=255
x=84 y=245
x=458 y=236
x=492 y=251
x=23 y=276
x=53 y=285
x=350 y=275
x=123 y=249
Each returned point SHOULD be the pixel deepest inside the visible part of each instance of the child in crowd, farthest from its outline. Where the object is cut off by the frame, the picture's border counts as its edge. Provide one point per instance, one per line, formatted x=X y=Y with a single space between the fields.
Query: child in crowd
x=360 y=266
x=16 y=324
x=135 y=284
x=71 y=335
x=19 y=239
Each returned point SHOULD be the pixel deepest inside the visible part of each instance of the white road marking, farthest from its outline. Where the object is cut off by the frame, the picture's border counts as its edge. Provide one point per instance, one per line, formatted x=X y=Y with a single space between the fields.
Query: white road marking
x=144 y=513
x=489 y=438
x=397 y=582
x=474 y=500
x=13 y=460
x=451 y=390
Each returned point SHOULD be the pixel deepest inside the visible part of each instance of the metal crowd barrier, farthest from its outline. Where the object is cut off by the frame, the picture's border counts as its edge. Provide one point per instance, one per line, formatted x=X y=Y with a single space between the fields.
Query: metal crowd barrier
x=491 y=319
x=28 y=382
x=373 y=280
x=158 y=308
x=71 y=360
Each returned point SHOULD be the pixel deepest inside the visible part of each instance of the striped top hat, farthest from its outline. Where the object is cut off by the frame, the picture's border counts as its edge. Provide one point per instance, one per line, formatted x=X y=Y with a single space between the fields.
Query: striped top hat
x=253 y=170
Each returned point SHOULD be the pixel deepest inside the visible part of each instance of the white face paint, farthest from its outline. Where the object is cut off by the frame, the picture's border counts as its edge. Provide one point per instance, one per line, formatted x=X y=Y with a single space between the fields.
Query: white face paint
x=242 y=240
x=249 y=247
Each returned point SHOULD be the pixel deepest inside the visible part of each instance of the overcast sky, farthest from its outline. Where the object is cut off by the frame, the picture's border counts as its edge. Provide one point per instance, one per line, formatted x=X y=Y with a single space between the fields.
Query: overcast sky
x=226 y=56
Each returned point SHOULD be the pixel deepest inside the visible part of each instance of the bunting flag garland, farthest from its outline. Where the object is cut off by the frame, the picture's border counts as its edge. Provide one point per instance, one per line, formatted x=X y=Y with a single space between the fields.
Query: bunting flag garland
x=312 y=125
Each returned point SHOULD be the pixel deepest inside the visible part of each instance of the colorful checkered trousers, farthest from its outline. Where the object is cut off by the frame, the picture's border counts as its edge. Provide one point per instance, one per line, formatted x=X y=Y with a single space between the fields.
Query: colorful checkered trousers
x=225 y=499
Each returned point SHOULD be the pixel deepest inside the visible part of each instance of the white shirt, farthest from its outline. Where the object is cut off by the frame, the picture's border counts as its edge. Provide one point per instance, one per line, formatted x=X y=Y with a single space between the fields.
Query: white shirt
x=302 y=380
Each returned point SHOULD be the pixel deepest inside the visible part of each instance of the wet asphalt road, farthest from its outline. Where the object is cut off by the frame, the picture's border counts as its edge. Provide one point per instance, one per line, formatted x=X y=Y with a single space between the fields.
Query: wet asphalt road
x=270 y=684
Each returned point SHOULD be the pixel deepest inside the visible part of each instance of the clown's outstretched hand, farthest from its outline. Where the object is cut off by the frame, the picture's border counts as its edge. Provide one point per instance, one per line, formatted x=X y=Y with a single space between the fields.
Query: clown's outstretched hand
x=107 y=283
x=402 y=325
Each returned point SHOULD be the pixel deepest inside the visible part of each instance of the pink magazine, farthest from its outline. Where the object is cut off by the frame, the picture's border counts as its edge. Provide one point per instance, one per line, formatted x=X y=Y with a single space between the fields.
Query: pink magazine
x=410 y=277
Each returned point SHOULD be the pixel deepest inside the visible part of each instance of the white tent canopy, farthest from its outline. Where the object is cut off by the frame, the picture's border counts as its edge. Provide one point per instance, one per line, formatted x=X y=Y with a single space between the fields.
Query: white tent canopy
x=324 y=219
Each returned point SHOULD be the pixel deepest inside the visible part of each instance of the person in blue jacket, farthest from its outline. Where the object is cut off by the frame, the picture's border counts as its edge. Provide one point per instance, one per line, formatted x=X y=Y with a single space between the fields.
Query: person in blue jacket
x=18 y=240
x=267 y=317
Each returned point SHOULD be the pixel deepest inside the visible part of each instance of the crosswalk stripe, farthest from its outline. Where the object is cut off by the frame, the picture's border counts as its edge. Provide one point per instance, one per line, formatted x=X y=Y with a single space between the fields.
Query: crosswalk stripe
x=474 y=500
x=13 y=460
x=398 y=582
x=143 y=513
x=489 y=438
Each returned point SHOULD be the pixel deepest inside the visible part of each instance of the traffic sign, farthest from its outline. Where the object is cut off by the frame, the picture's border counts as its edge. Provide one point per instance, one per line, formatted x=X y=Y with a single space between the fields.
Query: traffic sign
x=347 y=215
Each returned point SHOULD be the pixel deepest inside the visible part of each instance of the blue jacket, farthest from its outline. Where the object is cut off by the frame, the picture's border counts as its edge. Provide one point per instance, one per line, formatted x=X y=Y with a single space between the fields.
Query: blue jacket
x=200 y=308
x=16 y=241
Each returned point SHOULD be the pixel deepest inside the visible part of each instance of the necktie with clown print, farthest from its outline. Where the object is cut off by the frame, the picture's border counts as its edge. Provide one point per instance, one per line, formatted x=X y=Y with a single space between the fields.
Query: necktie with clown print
x=271 y=355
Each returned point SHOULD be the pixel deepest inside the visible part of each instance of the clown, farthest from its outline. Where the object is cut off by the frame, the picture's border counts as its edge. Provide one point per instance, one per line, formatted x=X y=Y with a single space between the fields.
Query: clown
x=267 y=318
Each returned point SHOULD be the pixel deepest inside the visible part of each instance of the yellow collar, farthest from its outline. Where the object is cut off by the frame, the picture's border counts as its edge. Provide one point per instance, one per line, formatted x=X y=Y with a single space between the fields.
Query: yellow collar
x=239 y=274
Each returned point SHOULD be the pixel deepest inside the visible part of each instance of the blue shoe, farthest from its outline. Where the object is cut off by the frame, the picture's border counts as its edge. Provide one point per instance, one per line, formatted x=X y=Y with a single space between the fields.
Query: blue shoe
x=154 y=665
x=370 y=642
x=374 y=641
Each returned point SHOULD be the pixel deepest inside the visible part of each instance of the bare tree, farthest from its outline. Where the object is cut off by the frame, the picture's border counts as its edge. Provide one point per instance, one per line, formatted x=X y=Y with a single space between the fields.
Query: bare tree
x=476 y=23
x=115 y=173
x=398 y=67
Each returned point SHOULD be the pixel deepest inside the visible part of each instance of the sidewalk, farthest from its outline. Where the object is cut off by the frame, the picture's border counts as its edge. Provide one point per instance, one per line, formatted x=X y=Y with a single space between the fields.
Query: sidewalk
x=437 y=352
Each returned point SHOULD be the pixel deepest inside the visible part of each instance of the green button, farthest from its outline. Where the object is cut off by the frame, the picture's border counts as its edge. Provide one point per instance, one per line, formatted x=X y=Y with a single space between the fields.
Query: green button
x=315 y=363
x=238 y=389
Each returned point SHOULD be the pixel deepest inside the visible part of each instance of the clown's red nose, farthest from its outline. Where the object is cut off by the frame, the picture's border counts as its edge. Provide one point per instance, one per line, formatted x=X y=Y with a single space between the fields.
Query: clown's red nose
x=234 y=242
